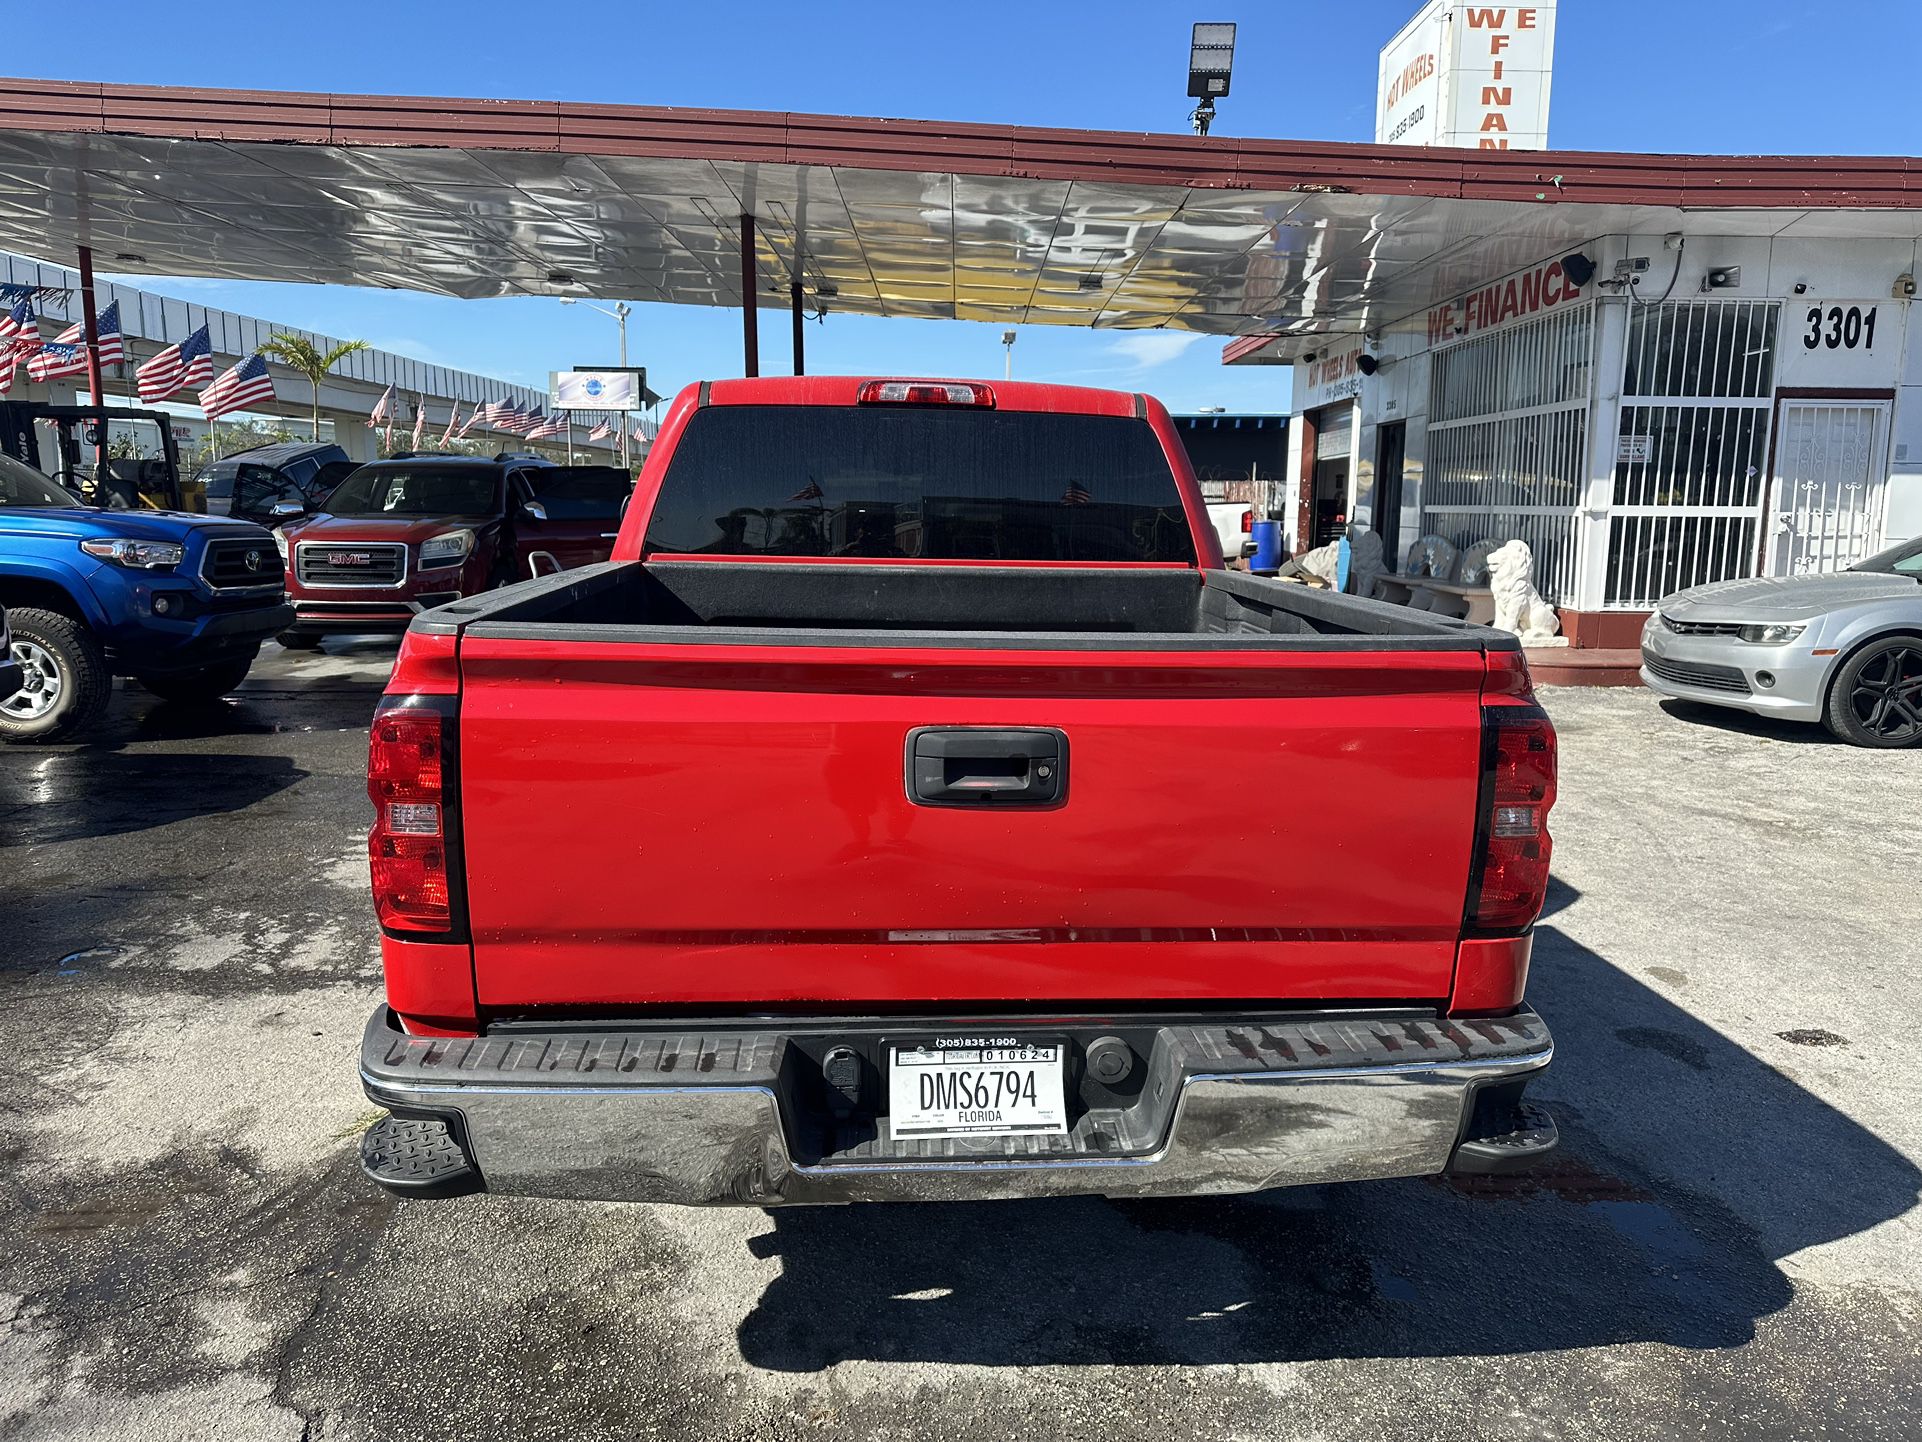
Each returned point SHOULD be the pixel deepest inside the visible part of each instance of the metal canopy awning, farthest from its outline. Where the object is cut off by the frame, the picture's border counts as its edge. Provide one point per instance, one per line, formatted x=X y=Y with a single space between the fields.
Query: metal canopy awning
x=1004 y=224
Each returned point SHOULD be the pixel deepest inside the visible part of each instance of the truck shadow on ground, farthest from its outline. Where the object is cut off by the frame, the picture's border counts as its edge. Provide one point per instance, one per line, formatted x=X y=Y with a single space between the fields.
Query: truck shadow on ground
x=1747 y=723
x=1688 y=1168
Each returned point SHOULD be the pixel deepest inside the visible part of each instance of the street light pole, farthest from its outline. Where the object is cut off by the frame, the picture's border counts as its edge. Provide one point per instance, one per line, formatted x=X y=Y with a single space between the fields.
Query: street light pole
x=1007 y=349
x=622 y=310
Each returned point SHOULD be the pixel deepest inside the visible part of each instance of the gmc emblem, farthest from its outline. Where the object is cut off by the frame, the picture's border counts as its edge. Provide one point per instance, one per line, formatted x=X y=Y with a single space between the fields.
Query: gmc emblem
x=350 y=558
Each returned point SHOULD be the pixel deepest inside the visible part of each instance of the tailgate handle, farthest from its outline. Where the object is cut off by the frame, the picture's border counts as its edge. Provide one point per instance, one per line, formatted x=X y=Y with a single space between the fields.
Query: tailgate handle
x=982 y=766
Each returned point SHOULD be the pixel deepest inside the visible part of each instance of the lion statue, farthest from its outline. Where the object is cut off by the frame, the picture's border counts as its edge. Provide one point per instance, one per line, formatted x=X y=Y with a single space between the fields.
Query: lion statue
x=1519 y=607
x=1365 y=565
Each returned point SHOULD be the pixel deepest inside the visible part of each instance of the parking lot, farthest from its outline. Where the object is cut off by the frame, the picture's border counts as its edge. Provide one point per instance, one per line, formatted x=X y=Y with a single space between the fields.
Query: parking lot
x=1726 y=1246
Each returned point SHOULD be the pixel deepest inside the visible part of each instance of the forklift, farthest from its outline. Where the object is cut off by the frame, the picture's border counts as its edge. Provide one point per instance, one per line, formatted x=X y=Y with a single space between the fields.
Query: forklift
x=130 y=483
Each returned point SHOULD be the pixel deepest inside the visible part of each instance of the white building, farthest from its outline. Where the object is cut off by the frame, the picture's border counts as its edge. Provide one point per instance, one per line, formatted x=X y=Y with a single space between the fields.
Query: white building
x=1704 y=406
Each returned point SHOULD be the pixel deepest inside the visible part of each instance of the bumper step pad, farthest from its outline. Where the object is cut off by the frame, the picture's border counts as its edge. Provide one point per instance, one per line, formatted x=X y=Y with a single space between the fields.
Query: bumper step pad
x=417 y=1157
x=1533 y=1138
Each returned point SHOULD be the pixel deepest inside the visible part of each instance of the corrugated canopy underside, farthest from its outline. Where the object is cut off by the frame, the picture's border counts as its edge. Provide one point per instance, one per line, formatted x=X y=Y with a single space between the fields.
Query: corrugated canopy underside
x=1010 y=225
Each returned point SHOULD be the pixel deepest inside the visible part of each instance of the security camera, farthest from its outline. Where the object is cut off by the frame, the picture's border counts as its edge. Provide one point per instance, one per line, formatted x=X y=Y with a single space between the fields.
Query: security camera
x=1801 y=287
x=1904 y=287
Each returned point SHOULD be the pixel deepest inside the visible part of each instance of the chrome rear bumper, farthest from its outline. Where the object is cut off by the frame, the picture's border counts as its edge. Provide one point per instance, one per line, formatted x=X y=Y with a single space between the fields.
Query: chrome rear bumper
x=726 y=1116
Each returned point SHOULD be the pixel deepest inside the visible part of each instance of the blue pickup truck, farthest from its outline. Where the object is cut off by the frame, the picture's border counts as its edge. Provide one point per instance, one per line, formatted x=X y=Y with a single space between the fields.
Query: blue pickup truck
x=178 y=602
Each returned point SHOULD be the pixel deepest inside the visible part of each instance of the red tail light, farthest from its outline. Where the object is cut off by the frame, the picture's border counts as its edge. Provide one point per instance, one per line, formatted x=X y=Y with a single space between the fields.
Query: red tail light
x=1518 y=788
x=408 y=780
x=1248 y=521
x=925 y=393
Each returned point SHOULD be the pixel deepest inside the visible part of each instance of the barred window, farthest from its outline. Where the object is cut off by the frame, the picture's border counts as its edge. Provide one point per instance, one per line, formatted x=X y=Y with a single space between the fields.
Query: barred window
x=1508 y=441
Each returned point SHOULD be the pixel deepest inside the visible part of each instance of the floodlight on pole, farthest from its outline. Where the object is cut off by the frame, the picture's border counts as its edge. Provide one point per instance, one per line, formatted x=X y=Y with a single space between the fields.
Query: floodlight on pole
x=1007 y=344
x=1211 y=56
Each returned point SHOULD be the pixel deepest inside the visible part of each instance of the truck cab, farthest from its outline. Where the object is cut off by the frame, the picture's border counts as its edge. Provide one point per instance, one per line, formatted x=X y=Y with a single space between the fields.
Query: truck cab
x=400 y=537
x=177 y=602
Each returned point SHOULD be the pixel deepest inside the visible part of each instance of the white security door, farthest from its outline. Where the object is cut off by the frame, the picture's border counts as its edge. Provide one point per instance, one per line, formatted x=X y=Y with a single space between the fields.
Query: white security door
x=1825 y=499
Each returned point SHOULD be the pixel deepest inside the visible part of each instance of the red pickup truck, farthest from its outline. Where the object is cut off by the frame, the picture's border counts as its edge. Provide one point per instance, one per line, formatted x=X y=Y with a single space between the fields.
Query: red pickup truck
x=858 y=832
x=399 y=537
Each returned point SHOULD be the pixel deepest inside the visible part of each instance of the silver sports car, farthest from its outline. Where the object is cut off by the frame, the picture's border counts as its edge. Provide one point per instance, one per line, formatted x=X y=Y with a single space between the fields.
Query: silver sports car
x=1844 y=649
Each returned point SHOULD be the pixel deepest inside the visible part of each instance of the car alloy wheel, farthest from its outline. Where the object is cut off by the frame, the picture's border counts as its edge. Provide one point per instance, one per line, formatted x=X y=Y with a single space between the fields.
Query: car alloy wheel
x=1887 y=695
x=40 y=683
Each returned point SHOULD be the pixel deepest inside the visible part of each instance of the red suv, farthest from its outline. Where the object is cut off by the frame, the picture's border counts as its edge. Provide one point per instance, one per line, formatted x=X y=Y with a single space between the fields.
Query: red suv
x=401 y=537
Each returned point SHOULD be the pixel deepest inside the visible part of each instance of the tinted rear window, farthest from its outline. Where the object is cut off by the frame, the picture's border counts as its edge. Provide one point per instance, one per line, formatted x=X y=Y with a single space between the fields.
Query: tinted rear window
x=580 y=493
x=218 y=478
x=402 y=488
x=901 y=482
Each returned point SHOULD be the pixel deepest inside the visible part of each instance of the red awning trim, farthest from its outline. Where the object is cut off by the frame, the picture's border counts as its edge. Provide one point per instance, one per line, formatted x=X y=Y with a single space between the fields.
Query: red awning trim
x=1548 y=177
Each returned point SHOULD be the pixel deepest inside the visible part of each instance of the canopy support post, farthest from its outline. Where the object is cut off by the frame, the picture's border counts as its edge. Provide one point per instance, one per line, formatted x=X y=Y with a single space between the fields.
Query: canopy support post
x=800 y=337
x=750 y=336
x=90 y=320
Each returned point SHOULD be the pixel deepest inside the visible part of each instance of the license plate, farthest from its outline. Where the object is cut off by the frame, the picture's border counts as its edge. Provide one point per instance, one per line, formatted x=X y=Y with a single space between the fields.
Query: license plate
x=978 y=1089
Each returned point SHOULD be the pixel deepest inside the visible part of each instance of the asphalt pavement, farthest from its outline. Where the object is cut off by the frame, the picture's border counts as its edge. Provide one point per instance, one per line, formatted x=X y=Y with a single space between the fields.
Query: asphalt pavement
x=1728 y=1245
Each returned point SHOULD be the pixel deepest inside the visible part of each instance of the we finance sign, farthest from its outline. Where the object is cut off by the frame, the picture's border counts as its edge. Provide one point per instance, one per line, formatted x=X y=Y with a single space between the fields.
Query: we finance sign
x=1475 y=76
x=1516 y=297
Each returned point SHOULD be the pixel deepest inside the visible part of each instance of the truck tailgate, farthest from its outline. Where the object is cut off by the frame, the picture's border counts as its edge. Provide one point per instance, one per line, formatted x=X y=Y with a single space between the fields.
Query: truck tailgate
x=692 y=825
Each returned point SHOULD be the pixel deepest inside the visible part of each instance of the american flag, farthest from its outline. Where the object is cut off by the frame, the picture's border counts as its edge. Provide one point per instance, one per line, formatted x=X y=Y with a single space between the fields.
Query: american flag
x=602 y=431
x=1077 y=495
x=554 y=425
x=19 y=337
x=453 y=416
x=520 y=422
x=810 y=492
x=113 y=345
x=184 y=363
x=57 y=358
x=241 y=385
x=18 y=322
x=383 y=410
x=420 y=417
x=479 y=418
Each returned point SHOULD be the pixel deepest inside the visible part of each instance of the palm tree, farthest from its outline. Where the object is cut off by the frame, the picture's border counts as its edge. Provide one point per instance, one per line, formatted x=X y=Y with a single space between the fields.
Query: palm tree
x=301 y=354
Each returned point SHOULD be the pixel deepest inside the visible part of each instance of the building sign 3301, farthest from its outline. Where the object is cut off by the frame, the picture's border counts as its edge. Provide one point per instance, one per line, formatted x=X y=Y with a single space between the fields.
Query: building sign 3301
x=1839 y=327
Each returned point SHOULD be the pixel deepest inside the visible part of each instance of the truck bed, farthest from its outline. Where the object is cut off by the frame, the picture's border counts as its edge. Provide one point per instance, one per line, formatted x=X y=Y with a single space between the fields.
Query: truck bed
x=1025 y=607
x=1271 y=792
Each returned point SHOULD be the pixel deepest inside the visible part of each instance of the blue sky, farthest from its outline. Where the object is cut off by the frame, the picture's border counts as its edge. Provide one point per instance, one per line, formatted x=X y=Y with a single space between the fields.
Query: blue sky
x=1684 y=75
